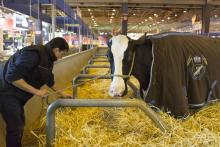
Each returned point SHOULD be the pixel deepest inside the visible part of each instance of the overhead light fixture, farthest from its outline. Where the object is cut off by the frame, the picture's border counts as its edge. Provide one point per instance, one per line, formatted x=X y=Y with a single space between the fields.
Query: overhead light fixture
x=145 y=20
x=175 y=15
x=162 y=20
x=113 y=13
x=113 y=10
x=155 y=15
x=184 y=11
x=216 y=16
x=150 y=18
x=89 y=10
x=134 y=14
x=168 y=18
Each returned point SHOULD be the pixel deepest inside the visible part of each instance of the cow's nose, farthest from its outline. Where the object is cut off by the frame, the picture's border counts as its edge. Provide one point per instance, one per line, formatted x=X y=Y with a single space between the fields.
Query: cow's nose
x=117 y=88
x=114 y=93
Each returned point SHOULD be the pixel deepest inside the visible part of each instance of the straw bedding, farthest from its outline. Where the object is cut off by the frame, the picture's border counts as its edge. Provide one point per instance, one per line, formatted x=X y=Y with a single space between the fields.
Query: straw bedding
x=98 y=127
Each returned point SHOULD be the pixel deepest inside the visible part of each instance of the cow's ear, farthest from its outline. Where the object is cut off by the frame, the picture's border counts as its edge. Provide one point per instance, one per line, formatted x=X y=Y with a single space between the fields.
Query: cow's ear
x=142 y=40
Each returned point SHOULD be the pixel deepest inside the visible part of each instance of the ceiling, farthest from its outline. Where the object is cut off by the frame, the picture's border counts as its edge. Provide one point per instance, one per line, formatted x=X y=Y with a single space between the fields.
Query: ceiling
x=144 y=15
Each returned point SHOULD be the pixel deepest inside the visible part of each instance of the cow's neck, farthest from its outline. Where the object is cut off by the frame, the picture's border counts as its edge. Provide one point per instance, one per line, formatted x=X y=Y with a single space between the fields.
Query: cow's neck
x=142 y=66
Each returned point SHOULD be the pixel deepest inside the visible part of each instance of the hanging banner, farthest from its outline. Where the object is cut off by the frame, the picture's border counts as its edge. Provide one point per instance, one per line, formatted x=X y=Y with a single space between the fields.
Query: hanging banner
x=6 y=23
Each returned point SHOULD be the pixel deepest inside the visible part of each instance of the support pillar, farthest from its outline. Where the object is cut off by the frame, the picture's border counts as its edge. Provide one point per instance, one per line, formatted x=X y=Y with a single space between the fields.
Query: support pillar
x=206 y=10
x=38 y=26
x=53 y=18
x=124 y=19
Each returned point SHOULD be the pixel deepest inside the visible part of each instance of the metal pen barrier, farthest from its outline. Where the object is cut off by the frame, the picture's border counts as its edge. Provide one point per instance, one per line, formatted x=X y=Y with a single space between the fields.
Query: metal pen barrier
x=84 y=71
x=50 y=120
x=81 y=77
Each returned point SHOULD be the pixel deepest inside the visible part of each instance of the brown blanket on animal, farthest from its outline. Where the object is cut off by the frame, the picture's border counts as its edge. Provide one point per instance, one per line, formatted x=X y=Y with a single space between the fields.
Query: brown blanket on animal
x=185 y=72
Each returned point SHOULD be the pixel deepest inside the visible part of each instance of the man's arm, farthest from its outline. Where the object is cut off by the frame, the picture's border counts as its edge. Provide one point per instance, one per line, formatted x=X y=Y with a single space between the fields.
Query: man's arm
x=21 y=84
x=17 y=70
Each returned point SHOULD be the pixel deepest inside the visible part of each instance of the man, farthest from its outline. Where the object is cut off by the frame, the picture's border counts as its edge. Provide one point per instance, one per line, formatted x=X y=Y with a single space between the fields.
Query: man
x=24 y=73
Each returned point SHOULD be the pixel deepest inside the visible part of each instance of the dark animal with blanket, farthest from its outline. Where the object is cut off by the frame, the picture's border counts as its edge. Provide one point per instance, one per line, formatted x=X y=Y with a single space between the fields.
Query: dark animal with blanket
x=176 y=71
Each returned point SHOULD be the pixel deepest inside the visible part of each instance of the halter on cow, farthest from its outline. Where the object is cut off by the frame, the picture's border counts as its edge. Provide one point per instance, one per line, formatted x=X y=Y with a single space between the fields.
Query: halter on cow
x=173 y=70
x=124 y=51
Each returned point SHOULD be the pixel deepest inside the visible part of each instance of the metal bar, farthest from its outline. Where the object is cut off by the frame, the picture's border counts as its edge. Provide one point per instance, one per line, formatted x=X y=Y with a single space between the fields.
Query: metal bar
x=74 y=82
x=93 y=66
x=80 y=77
x=97 y=66
x=50 y=120
x=134 y=88
x=99 y=60
x=98 y=55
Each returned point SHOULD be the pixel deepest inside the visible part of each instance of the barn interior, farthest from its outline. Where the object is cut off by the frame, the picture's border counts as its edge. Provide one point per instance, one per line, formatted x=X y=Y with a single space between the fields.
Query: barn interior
x=92 y=117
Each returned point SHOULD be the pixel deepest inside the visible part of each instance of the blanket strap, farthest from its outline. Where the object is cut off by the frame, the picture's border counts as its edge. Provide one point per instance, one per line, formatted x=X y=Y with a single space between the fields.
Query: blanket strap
x=210 y=98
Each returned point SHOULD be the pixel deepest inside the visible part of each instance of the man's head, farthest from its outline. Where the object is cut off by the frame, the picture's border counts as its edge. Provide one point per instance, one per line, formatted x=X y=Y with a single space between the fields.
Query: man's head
x=59 y=47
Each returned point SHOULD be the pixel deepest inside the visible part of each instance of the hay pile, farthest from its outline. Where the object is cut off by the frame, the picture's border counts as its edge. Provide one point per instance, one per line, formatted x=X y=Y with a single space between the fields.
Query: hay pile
x=128 y=126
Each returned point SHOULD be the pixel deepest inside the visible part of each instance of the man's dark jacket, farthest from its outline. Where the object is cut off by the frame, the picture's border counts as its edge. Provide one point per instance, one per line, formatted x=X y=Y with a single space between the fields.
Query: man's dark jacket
x=34 y=64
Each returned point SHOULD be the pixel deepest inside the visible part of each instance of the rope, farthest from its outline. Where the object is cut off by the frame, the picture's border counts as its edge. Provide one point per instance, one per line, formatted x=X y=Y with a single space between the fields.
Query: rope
x=92 y=79
x=76 y=85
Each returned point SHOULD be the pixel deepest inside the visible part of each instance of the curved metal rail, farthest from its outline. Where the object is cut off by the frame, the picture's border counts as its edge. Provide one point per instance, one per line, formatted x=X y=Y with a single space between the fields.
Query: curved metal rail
x=50 y=122
x=80 y=78
x=84 y=71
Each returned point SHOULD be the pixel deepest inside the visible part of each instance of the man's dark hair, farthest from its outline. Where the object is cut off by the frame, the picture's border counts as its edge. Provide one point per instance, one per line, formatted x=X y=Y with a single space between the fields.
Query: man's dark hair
x=58 y=42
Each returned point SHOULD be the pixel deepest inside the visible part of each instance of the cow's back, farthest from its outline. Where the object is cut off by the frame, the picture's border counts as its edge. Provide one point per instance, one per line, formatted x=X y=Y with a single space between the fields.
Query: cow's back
x=176 y=80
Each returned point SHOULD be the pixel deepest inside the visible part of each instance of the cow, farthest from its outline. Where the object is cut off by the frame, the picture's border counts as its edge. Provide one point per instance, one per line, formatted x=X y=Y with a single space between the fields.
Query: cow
x=176 y=71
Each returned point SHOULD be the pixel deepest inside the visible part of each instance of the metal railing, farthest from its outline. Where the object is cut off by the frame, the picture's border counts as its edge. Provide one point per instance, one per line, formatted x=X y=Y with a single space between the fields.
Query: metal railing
x=50 y=122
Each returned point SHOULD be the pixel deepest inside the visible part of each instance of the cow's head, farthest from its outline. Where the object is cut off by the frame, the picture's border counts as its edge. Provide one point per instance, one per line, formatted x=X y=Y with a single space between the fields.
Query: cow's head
x=121 y=59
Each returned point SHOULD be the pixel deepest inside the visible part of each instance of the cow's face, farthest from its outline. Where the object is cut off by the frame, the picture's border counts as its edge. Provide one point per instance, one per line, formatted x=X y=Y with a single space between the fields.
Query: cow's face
x=121 y=53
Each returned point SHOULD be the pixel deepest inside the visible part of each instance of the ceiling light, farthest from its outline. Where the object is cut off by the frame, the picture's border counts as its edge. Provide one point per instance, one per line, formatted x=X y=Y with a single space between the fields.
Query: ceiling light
x=150 y=18
x=162 y=20
x=168 y=18
x=175 y=15
x=216 y=16
x=155 y=15
x=112 y=17
x=134 y=14
x=145 y=20
x=90 y=13
x=184 y=11
x=89 y=9
x=113 y=13
x=113 y=10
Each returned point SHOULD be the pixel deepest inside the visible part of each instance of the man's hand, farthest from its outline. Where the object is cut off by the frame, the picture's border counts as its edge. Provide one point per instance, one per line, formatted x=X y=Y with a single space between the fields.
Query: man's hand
x=23 y=85
x=42 y=92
